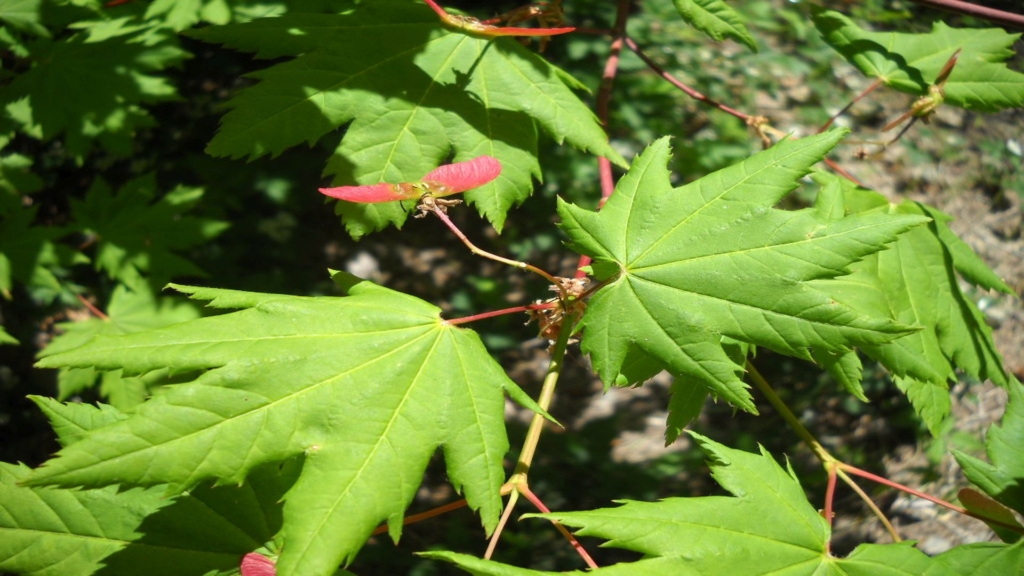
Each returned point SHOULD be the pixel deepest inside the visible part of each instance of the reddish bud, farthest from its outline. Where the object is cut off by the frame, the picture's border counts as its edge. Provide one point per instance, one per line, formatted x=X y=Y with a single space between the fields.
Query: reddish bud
x=441 y=181
x=254 y=564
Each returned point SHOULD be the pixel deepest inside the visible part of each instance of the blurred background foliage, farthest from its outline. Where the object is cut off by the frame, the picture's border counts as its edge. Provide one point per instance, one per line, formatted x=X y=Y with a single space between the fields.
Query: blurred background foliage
x=106 y=195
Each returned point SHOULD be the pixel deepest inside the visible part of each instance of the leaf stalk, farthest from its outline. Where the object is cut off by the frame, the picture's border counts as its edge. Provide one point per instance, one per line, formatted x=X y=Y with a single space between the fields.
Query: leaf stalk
x=502 y=312
x=830 y=462
x=842 y=470
x=439 y=211
x=558 y=525
x=939 y=501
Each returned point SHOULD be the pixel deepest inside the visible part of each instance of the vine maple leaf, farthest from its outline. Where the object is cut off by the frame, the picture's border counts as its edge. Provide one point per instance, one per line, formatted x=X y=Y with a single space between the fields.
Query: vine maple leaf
x=411 y=91
x=366 y=387
x=716 y=19
x=768 y=527
x=113 y=77
x=916 y=279
x=912 y=62
x=52 y=531
x=135 y=231
x=133 y=307
x=686 y=266
x=28 y=252
x=1002 y=479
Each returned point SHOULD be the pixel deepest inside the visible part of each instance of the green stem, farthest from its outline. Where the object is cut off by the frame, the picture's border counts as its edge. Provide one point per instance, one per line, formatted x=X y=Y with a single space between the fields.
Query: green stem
x=517 y=483
x=788 y=416
x=827 y=460
x=547 y=393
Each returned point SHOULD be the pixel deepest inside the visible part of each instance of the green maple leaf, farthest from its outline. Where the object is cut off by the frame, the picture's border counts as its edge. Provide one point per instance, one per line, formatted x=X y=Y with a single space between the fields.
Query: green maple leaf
x=15 y=177
x=30 y=254
x=72 y=421
x=23 y=15
x=366 y=386
x=132 y=308
x=1003 y=479
x=111 y=79
x=912 y=62
x=134 y=232
x=768 y=527
x=182 y=14
x=716 y=19
x=980 y=558
x=687 y=266
x=845 y=368
x=411 y=91
x=62 y=532
x=915 y=280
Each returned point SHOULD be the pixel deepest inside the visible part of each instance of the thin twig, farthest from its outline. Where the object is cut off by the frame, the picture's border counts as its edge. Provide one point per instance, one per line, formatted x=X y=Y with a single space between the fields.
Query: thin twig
x=752 y=121
x=933 y=499
x=842 y=172
x=874 y=86
x=559 y=526
x=604 y=98
x=991 y=14
x=827 y=460
x=679 y=84
x=505 y=515
x=604 y=93
x=89 y=305
x=424 y=515
x=870 y=504
x=842 y=468
x=440 y=213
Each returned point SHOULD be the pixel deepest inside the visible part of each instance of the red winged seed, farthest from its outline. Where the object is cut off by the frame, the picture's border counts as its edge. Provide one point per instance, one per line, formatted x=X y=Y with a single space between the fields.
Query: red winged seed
x=254 y=564
x=441 y=181
x=373 y=193
x=462 y=176
x=507 y=31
